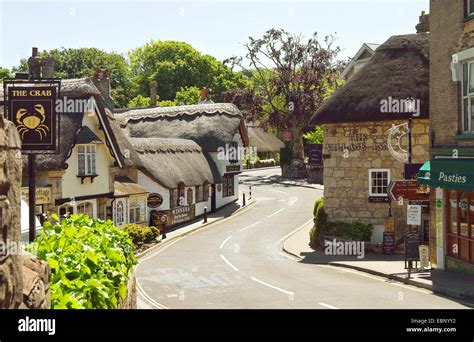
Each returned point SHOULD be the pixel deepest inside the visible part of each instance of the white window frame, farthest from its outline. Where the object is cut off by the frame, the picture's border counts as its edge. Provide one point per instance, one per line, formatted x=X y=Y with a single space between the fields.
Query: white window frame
x=469 y=96
x=371 y=194
x=469 y=9
x=86 y=204
x=120 y=214
x=90 y=164
x=137 y=211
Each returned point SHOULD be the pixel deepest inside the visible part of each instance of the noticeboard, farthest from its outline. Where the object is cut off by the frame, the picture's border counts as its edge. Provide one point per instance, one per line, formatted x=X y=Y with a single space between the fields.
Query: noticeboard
x=388 y=245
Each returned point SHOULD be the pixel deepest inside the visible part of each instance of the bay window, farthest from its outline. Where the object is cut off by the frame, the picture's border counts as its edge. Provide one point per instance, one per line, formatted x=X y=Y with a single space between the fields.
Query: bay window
x=85 y=208
x=137 y=212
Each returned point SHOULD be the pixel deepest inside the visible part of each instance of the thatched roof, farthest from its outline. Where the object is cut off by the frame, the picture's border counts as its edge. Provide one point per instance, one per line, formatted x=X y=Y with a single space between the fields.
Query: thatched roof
x=123 y=186
x=78 y=87
x=264 y=141
x=172 y=161
x=210 y=125
x=399 y=70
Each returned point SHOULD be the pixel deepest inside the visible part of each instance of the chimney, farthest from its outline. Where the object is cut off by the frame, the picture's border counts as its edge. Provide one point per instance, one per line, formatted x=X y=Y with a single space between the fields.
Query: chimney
x=424 y=24
x=153 y=93
x=101 y=80
x=203 y=94
x=34 y=65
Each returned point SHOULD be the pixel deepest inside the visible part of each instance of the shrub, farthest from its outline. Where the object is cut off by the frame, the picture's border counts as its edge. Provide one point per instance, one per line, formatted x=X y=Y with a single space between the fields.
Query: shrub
x=354 y=231
x=90 y=262
x=319 y=229
x=140 y=234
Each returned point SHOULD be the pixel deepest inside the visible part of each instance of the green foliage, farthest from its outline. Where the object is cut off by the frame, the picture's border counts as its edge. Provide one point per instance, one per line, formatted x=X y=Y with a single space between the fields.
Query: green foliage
x=176 y=65
x=83 y=62
x=90 y=262
x=4 y=73
x=166 y=103
x=139 y=101
x=315 y=136
x=188 y=96
x=354 y=231
x=320 y=228
x=140 y=234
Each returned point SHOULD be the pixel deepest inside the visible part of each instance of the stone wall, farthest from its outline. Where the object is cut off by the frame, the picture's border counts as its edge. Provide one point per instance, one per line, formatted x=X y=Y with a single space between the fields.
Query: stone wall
x=346 y=175
x=130 y=301
x=11 y=282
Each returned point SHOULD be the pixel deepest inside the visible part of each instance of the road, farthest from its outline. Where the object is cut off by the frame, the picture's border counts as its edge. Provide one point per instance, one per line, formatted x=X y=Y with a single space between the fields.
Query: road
x=239 y=264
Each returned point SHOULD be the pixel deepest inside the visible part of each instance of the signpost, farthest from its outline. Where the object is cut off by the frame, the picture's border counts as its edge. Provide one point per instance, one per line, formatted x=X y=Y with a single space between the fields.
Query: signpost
x=31 y=105
x=408 y=190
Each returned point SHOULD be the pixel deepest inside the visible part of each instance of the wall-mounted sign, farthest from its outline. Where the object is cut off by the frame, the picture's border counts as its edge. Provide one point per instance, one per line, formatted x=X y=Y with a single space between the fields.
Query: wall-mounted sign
x=43 y=195
x=32 y=108
x=183 y=214
x=378 y=199
x=233 y=168
x=315 y=156
x=411 y=171
x=154 y=200
x=414 y=215
x=408 y=190
x=287 y=136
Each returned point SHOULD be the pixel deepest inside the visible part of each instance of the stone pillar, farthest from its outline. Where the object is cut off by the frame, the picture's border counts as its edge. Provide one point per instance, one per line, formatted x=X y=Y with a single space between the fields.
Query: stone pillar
x=11 y=282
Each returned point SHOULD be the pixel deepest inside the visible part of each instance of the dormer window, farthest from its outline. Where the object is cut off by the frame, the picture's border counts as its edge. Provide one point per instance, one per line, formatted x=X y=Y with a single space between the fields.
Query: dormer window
x=86 y=163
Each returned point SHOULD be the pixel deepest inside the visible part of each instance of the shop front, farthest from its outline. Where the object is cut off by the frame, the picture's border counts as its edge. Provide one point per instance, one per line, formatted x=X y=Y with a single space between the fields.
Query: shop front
x=453 y=179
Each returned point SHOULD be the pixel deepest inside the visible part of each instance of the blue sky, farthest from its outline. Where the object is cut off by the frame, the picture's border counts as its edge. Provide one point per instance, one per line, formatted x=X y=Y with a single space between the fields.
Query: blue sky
x=213 y=27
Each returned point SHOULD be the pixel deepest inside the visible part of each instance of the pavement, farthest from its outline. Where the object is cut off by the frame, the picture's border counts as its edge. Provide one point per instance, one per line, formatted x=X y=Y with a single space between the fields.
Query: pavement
x=238 y=263
x=449 y=284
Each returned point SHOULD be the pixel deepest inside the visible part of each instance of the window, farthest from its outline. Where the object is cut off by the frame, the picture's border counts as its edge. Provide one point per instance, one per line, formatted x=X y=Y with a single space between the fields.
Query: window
x=119 y=214
x=199 y=193
x=206 y=191
x=459 y=225
x=86 y=209
x=228 y=185
x=189 y=196
x=65 y=210
x=173 y=198
x=378 y=182
x=181 y=194
x=468 y=97
x=137 y=211
x=470 y=7
x=86 y=160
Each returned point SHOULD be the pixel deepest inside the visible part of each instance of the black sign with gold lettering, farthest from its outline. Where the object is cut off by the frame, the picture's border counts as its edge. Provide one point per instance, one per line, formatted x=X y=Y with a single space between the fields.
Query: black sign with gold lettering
x=32 y=108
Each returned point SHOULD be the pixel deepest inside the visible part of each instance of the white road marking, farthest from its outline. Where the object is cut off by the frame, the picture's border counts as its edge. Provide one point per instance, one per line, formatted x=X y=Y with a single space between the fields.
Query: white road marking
x=147 y=298
x=271 y=286
x=328 y=306
x=281 y=192
x=223 y=242
x=252 y=225
x=276 y=212
x=228 y=263
x=172 y=295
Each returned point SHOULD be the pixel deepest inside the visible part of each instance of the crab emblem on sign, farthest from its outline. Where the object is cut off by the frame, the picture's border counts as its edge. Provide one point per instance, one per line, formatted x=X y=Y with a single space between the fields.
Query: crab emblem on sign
x=32 y=122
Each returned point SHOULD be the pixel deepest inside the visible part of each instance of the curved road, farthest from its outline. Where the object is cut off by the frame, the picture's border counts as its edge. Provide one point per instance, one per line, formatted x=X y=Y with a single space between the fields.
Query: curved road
x=238 y=264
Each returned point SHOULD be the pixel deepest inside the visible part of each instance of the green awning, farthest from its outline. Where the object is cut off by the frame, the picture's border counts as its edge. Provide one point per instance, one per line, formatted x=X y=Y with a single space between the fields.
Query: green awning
x=452 y=173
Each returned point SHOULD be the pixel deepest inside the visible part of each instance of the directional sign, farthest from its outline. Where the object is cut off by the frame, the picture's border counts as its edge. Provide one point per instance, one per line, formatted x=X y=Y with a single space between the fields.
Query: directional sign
x=408 y=190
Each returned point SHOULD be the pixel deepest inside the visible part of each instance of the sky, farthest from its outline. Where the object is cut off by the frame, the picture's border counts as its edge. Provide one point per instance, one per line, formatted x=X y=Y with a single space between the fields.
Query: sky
x=218 y=28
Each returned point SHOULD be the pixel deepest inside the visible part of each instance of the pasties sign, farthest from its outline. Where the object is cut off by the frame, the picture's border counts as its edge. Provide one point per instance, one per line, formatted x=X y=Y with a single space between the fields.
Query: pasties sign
x=452 y=178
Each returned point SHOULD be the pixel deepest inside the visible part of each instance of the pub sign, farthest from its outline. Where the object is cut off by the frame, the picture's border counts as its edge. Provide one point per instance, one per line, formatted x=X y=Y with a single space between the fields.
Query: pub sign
x=32 y=108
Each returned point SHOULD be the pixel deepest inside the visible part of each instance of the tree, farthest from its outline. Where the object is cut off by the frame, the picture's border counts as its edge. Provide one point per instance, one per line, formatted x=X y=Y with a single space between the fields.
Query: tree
x=315 y=136
x=188 y=96
x=139 y=101
x=177 y=65
x=4 y=73
x=83 y=62
x=291 y=78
